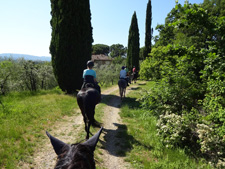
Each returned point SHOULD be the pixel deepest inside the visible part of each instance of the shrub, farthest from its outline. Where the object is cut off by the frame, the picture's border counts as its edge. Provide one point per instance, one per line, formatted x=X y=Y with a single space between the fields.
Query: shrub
x=172 y=129
x=108 y=74
x=211 y=144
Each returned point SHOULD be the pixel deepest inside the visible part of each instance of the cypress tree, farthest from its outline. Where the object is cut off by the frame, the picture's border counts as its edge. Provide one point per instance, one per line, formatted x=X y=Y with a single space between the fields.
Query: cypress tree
x=71 y=41
x=133 y=44
x=148 y=30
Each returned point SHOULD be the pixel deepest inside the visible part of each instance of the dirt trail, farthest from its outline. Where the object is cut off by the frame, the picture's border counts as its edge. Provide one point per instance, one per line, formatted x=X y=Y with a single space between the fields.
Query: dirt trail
x=111 y=122
x=67 y=129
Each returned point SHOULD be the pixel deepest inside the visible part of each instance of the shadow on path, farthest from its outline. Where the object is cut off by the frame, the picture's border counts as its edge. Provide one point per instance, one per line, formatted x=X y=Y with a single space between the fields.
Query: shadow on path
x=118 y=142
x=107 y=100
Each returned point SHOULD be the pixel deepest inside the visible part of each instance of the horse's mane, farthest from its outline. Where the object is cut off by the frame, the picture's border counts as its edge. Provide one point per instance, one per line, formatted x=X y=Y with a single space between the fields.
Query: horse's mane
x=76 y=156
x=88 y=85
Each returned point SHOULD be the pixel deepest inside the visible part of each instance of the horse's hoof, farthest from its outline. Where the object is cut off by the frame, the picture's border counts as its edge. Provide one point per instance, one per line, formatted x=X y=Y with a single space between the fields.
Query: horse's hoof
x=96 y=124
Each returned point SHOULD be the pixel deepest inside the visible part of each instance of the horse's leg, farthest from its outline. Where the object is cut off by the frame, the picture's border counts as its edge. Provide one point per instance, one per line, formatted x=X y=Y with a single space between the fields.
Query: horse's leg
x=94 y=122
x=121 y=94
x=88 y=129
x=85 y=123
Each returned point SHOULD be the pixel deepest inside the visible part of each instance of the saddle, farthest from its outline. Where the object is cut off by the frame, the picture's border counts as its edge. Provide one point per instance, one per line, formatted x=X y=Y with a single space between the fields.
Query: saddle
x=89 y=82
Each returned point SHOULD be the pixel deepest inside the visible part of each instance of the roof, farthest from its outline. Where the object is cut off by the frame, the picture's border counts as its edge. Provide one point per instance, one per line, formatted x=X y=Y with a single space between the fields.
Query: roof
x=101 y=57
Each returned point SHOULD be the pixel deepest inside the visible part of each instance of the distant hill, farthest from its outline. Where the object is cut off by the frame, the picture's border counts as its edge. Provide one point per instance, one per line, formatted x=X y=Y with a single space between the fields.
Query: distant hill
x=26 y=57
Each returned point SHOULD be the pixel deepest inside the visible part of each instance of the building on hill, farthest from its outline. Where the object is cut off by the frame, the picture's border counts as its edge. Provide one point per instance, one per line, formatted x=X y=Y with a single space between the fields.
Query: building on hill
x=101 y=59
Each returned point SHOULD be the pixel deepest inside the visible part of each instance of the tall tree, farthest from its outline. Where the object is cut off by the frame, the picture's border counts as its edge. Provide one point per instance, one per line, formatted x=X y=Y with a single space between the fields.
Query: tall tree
x=187 y=25
x=117 y=50
x=215 y=7
x=148 y=30
x=100 y=49
x=133 y=44
x=71 y=41
x=141 y=53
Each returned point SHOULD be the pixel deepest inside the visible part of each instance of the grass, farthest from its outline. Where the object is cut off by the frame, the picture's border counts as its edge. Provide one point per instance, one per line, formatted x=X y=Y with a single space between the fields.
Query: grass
x=23 y=119
x=145 y=147
x=25 y=116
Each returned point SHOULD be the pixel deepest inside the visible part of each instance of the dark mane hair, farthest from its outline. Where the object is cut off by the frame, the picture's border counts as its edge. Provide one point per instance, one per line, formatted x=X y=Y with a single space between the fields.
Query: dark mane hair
x=76 y=156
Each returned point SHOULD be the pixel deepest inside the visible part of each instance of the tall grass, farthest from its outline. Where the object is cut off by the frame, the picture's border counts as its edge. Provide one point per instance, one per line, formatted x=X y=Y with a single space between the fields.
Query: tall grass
x=144 y=148
x=23 y=119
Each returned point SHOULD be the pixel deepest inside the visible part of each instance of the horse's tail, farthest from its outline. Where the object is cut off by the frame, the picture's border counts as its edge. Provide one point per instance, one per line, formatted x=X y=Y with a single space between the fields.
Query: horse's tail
x=89 y=107
x=84 y=107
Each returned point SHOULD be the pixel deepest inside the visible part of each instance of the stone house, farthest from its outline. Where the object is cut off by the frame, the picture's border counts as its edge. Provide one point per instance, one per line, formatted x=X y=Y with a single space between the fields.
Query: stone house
x=101 y=59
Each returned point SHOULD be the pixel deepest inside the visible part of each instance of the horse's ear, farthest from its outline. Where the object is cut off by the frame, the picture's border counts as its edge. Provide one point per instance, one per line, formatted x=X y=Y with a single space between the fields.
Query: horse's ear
x=56 y=143
x=92 y=142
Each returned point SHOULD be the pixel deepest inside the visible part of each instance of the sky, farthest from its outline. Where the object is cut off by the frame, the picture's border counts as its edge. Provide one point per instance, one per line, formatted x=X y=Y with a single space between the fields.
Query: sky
x=25 y=24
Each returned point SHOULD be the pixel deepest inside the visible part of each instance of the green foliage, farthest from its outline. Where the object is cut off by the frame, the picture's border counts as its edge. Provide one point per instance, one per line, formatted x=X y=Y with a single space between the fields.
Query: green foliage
x=119 y=60
x=187 y=25
x=220 y=37
x=151 y=66
x=117 y=50
x=148 y=29
x=211 y=144
x=100 y=49
x=71 y=41
x=188 y=65
x=141 y=53
x=108 y=74
x=148 y=151
x=214 y=103
x=133 y=44
x=173 y=129
x=6 y=70
x=214 y=7
x=23 y=75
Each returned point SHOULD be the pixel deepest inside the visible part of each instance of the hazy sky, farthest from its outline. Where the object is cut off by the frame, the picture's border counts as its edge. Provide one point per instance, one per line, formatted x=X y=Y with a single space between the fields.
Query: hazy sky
x=25 y=24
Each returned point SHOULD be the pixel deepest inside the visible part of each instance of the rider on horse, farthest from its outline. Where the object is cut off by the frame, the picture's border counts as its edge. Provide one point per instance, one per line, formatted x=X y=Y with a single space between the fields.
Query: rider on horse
x=123 y=74
x=134 y=70
x=89 y=76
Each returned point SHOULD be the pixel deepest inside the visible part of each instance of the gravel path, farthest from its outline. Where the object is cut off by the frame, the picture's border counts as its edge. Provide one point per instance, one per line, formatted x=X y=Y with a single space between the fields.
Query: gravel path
x=67 y=130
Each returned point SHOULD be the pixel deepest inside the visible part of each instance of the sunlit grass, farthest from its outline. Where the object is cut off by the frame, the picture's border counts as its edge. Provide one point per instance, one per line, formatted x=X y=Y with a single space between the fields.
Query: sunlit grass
x=23 y=119
x=25 y=116
x=146 y=149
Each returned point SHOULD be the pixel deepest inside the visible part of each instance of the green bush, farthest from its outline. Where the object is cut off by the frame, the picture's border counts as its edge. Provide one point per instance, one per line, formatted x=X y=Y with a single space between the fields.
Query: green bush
x=22 y=75
x=188 y=65
x=172 y=128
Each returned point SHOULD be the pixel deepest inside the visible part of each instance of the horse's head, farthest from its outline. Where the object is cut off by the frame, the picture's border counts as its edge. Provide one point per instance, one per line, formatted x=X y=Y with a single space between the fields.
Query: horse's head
x=80 y=155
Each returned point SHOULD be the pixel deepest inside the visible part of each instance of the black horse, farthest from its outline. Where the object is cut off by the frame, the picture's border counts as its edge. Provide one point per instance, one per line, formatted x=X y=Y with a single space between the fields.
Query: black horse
x=134 y=77
x=79 y=155
x=87 y=99
x=122 y=83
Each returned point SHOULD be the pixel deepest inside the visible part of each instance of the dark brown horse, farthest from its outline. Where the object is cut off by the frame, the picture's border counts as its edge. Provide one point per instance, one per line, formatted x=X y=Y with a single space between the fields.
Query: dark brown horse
x=87 y=99
x=135 y=76
x=122 y=83
x=79 y=155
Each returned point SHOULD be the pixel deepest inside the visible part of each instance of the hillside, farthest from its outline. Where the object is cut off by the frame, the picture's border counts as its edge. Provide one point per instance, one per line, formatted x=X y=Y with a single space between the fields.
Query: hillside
x=26 y=57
